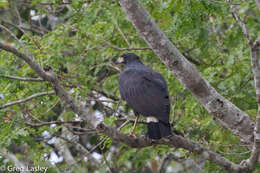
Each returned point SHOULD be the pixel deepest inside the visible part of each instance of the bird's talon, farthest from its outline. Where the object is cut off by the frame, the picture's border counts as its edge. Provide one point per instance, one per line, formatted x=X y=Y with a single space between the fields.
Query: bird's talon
x=132 y=135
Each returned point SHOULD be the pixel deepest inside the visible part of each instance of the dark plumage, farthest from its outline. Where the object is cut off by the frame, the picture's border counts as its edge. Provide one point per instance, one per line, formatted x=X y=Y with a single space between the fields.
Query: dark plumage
x=146 y=93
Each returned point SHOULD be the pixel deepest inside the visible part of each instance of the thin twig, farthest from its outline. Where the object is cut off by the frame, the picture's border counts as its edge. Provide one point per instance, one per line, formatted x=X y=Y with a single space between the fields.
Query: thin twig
x=22 y=79
x=123 y=49
x=240 y=22
x=17 y=13
x=42 y=3
x=225 y=153
x=80 y=148
x=111 y=96
x=22 y=28
x=105 y=138
x=123 y=35
x=132 y=121
x=100 y=100
x=114 y=67
x=212 y=1
x=53 y=122
x=173 y=111
x=26 y=99
x=220 y=43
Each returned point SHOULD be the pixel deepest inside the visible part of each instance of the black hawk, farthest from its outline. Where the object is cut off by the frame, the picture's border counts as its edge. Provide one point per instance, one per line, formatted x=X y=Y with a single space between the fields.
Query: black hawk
x=146 y=92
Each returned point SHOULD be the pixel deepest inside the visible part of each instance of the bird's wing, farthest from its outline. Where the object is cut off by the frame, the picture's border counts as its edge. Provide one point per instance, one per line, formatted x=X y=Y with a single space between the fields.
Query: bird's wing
x=146 y=92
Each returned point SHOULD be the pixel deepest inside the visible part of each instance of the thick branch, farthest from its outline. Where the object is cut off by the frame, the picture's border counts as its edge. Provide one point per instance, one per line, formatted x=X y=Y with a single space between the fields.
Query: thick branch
x=22 y=79
x=228 y=114
x=26 y=99
x=175 y=141
x=251 y=162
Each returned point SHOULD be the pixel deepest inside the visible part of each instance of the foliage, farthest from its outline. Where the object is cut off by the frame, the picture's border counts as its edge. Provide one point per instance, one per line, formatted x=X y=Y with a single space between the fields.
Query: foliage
x=76 y=48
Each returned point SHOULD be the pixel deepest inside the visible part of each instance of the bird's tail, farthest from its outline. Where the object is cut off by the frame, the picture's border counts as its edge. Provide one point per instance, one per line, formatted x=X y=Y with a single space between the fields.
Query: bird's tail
x=157 y=130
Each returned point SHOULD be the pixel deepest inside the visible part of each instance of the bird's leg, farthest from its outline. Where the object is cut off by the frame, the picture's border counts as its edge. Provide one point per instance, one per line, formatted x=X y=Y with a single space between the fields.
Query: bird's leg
x=133 y=131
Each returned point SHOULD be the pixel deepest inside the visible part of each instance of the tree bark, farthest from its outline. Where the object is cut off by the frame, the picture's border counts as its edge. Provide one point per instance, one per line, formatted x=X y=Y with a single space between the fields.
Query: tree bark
x=258 y=3
x=252 y=161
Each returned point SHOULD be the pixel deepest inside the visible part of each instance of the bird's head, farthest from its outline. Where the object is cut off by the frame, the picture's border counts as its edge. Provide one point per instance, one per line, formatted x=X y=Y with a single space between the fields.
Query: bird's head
x=127 y=58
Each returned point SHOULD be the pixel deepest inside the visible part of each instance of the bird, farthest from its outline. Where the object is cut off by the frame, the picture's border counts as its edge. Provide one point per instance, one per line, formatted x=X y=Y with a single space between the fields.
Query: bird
x=146 y=92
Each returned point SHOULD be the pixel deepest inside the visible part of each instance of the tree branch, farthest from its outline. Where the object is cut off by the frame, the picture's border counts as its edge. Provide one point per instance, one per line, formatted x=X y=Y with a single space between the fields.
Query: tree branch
x=23 y=28
x=26 y=99
x=175 y=141
x=40 y=124
x=22 y=79
x=228 y=114
x=105 y=138
x=111 y=96
x=254 y=49
x=123 y=49
x=18 y=41
x=258 y=3
x=240 y=22
x=122 y=34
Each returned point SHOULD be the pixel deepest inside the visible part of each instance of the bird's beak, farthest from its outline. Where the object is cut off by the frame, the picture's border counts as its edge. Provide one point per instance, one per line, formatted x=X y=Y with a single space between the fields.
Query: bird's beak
x=119 y=60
